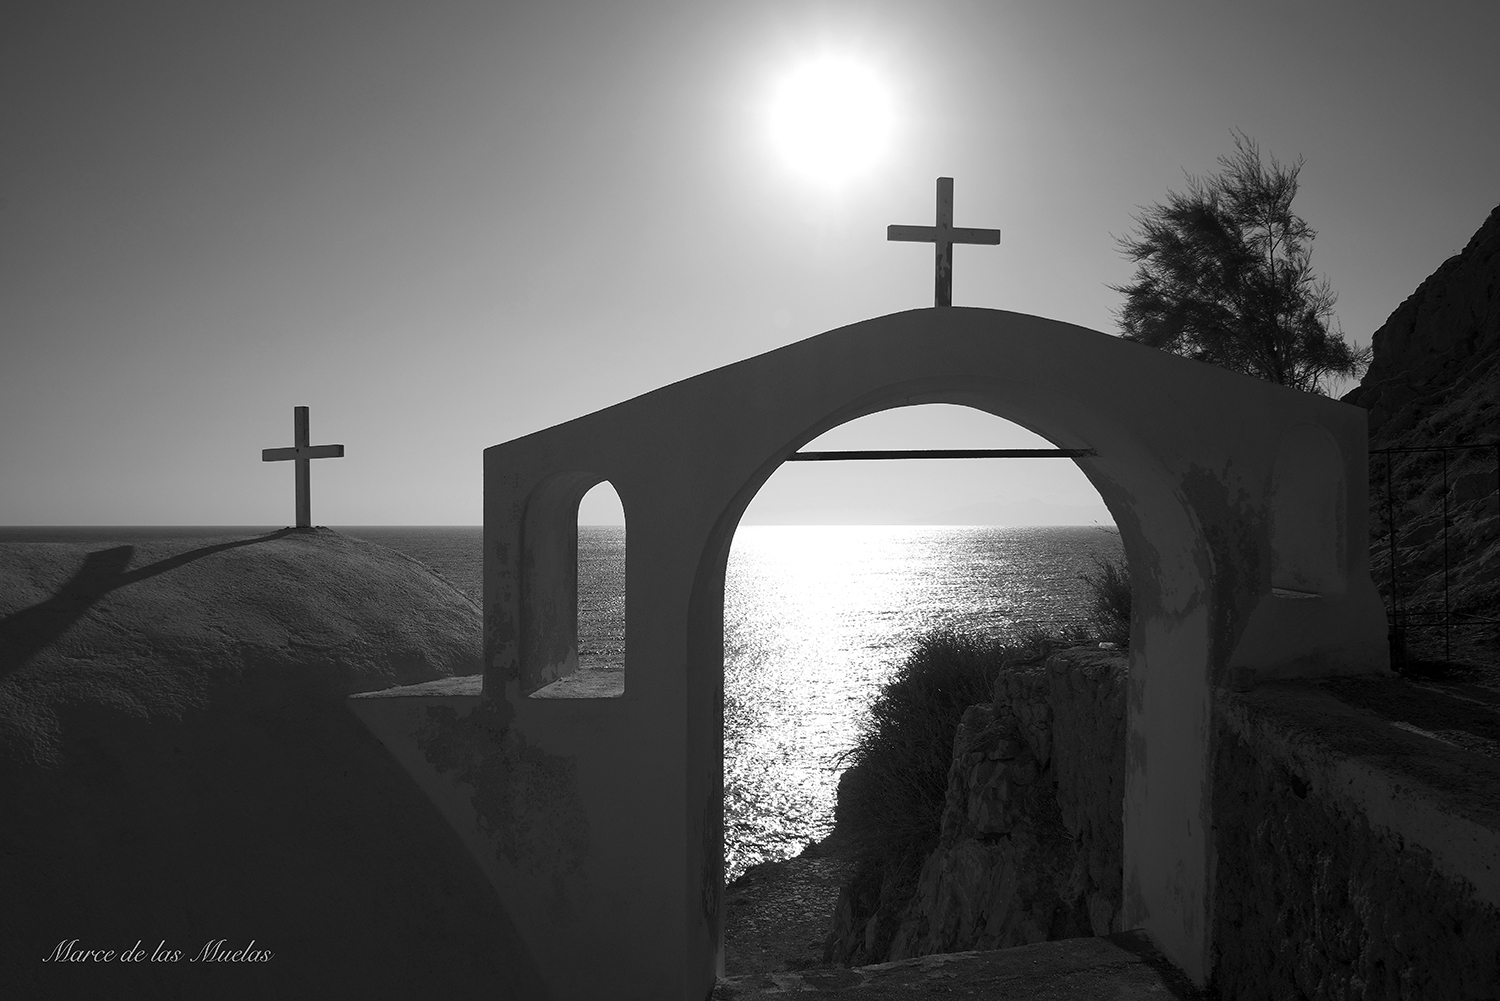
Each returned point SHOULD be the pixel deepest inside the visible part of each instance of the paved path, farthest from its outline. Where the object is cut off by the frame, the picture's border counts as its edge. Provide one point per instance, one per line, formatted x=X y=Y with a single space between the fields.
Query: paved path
x=1118 y=968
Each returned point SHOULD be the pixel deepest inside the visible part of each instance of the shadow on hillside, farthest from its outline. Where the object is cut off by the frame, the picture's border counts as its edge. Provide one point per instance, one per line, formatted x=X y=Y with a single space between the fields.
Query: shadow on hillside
x=24 y=633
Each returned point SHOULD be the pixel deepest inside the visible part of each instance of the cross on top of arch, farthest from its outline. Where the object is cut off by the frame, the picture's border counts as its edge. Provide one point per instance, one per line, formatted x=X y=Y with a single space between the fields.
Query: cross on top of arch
x=944 y=236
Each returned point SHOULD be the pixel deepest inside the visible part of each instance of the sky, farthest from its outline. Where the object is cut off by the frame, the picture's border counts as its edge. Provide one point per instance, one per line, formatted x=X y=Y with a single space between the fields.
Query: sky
x=444 y=225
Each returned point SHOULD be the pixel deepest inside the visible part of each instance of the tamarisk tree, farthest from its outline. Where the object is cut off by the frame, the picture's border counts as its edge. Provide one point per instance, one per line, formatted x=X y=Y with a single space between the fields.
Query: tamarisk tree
x=1223 y=276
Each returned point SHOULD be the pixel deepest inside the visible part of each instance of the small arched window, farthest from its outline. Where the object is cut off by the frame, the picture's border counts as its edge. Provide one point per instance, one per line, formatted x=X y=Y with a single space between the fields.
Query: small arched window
x=601 y=580
x=573 y=590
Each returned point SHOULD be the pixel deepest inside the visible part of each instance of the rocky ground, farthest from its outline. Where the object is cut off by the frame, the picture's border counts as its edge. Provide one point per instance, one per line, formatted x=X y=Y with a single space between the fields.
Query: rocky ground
x=777 y=915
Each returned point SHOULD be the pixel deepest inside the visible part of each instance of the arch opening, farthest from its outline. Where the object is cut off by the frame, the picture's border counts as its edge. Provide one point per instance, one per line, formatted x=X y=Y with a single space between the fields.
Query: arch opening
x=835 y=572
x=1170 y=564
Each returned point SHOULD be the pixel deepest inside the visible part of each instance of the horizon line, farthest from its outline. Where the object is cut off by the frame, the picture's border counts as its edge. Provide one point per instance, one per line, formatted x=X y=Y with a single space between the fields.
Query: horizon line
x=607 y=524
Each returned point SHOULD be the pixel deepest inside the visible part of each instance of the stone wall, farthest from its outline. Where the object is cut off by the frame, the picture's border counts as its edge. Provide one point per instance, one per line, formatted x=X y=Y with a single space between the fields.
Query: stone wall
x=1031 y=838
x=1317 y=900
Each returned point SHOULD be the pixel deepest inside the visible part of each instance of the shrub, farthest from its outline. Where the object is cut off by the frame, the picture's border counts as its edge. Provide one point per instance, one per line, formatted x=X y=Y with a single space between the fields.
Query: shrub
x=891 y=798
x=1110 y=589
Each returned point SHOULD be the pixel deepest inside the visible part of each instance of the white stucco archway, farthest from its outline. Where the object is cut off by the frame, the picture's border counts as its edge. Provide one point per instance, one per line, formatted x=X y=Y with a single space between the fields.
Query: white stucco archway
x=614 y=876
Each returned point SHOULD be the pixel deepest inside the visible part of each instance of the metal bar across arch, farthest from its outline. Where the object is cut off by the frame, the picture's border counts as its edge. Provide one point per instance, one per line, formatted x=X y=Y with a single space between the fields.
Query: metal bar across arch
x=945 y=453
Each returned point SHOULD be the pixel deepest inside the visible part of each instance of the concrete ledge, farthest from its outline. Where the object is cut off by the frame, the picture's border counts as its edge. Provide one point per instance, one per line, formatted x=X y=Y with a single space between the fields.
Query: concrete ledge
x=585 y=683
x=468 y=684
x=1419 y=789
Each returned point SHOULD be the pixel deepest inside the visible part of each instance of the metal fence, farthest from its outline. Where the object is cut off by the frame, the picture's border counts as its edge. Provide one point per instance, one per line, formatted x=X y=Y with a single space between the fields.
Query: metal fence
x=1401 y=618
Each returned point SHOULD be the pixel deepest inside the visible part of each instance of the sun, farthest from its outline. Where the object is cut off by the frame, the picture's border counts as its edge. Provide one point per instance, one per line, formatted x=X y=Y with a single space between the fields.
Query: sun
x=831 y=118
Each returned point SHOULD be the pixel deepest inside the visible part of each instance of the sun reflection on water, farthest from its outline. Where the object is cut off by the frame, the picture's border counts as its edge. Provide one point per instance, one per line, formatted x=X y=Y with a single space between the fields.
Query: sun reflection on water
x=817 y=617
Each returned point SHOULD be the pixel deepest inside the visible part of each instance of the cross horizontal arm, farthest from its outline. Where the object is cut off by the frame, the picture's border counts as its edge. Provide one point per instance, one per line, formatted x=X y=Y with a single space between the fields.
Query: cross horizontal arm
x=946 y=453
x=962 y=234
x=305 y=452
x=933 y=234
x=912 y=234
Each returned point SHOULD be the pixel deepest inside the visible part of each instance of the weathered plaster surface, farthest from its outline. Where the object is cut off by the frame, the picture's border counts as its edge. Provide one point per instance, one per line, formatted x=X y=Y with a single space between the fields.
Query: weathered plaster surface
x=1166 y=860
x=514 y=805
x=524 y=798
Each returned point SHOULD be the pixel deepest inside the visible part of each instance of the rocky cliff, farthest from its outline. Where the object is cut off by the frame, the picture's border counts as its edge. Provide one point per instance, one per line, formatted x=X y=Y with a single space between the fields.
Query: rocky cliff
x=1435 y=380
x=1031 y=844
x=178 y=768
x=1441 y=345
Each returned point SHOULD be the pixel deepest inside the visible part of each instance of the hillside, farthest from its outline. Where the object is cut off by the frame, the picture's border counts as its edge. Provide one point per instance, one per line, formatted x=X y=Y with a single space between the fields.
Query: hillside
x=178 y=767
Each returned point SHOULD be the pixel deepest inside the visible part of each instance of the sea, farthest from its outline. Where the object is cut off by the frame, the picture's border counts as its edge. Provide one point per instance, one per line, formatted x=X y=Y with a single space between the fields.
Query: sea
x=816 y=619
